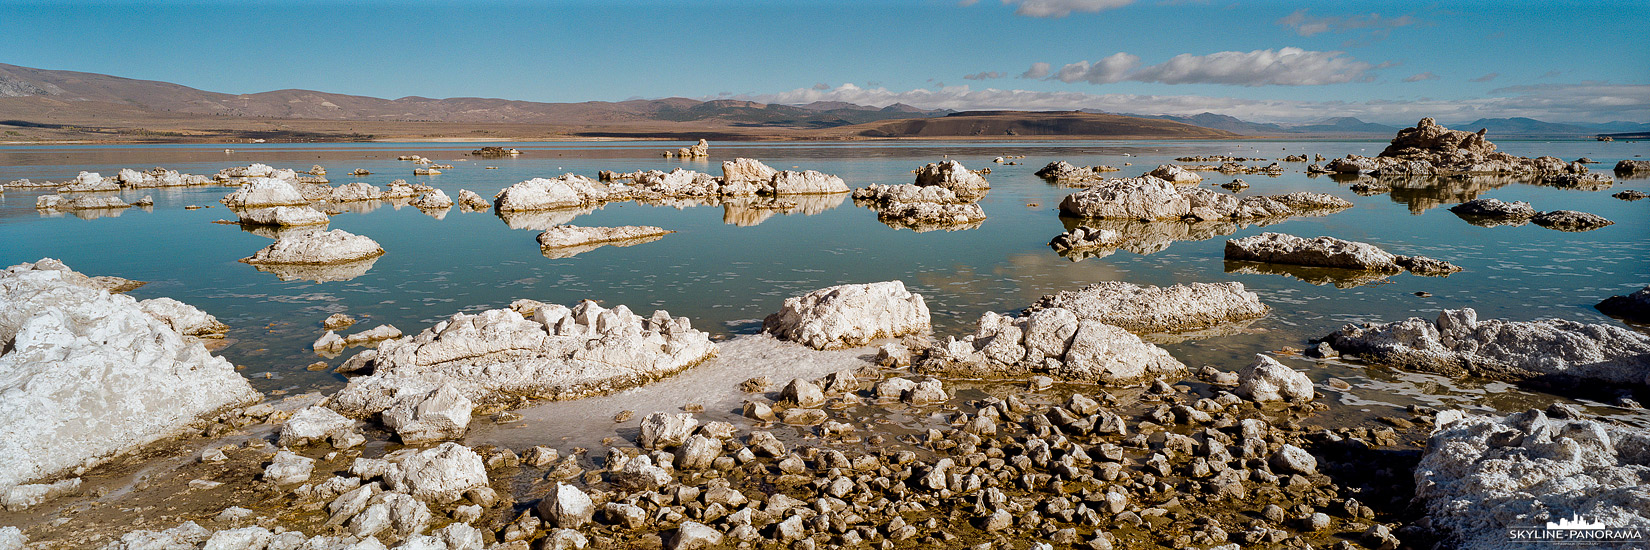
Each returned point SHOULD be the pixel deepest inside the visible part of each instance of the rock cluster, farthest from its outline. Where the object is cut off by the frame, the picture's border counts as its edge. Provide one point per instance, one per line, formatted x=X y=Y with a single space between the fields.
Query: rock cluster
x=1152 y=198
x=498 y=356
x=137 y=378
x=1458 y=344
x=1083 y=238
x=1064 y=173
x=284 y=216
x=1493 y=212
x=1054 y=342
x=951 y=175
x=1570 y=220
x=1329 y=252
x=1147 y=309
x=696 y=151
x=264 y=192
x=1175 y=175
x=849 y=315
x=922 y=208
x=1481 y=474
x=566 y=191
x=58 y=202
x=1431 y=149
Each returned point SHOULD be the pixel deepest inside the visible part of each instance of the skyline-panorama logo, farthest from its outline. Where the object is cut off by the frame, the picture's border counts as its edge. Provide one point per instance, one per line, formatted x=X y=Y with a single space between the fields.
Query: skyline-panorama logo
x=1578 y=530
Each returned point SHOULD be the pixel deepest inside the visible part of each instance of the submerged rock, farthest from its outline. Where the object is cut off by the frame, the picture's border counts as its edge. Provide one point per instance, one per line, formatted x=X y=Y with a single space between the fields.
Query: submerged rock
x=317 y=248
x=1570 y=220
x=1053 y=342
x=1146 y=309
x=137 y=379
x=1083 y=238
x=951 y=175
x=1458 y=344
x=1632 y=306
x=887 y=194
x=1320 y=251
x=1481 y=474
x=497 y=356
x=56 y=202
x=849 y=315
x=1630 y=166
x=283 y=216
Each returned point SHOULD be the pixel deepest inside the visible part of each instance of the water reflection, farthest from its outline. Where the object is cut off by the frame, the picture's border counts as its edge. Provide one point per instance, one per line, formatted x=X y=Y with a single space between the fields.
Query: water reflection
x=1339 y=277
x=319 y=273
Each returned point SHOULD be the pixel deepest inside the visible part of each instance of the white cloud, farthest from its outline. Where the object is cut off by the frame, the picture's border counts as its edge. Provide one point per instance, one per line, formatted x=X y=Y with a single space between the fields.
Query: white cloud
x=1062 y=8
x=1588 y=101
x=1280 y=67
x=1417 y=77
x=1037 y=70
x=1307 y=25
x=988 y=75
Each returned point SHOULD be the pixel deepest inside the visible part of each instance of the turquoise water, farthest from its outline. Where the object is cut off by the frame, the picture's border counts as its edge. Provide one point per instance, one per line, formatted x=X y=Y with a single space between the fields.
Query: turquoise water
x=726 y=277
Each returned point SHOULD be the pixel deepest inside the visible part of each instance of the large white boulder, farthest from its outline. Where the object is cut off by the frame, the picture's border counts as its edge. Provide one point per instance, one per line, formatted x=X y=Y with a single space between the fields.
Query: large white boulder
x=1144 y=309
x=1481 y=475
x=1317 y=252
x=849 y=315
x=317 y=248
x=440 y=414
x=88 y=374
x=553 y=352
x=441 y=474
x=1175 y=174
x=808 y=182
x=951 y=175
x=743 y=170
x=283 y=216
x=264 y=192
x=356 y=192
x=1142 y=198
x=1268 y=380
x=1458 y=344
x=1054 y=342
x=566 y=191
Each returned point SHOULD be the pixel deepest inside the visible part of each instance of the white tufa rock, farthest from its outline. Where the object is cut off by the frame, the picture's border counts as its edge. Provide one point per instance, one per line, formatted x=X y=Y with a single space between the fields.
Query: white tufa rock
x=1268 y=380
x=440 y=414
x=566 y=236
x=743 y=170
x=1481 y=474
x=1053 y=342
x=1148 y=309
x=263 y=192
x=284 y=216
x=184 y=318
x=1458 y=344
x=1317 y=252
x=567 y=191
x=441 y=474
x=660 y=430
x=288 y=468
x=1175 y=174
x=849 y=315
x=23 y=497
x=566 y=507
x=436 y=199
x=497 y=355
x=804 y=183
x=317 y=248
x=356 y=192
x=313 y=425
x=951 y=175
x=137 y=378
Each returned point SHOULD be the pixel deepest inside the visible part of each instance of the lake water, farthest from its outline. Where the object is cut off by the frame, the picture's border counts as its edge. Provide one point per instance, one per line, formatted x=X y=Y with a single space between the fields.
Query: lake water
x=727 y=276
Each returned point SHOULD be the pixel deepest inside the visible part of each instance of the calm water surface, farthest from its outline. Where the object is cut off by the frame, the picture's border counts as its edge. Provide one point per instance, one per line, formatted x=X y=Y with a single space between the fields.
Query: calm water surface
x=726 y=276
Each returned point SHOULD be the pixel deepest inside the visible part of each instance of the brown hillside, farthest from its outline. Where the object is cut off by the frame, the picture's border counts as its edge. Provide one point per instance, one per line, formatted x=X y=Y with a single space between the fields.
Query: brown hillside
x=980 y=124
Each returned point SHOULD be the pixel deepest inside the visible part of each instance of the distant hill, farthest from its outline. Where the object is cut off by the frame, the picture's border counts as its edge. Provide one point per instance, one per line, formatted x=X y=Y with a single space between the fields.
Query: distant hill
x=1345 y=125
x=1227 y=123
x=1008 y=124
x=1529 y=127
x=75 y=87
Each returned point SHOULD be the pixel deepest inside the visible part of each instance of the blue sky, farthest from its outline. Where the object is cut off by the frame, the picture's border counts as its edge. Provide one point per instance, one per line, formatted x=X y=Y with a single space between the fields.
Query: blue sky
x=1274 y=61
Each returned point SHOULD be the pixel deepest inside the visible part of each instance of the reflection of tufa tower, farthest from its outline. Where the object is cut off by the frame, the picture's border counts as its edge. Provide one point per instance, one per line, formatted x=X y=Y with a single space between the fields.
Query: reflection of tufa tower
x=1574 y=522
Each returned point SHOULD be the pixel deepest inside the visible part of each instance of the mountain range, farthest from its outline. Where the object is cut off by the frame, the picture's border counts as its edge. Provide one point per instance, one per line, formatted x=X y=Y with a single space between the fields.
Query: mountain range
x=42 y=104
